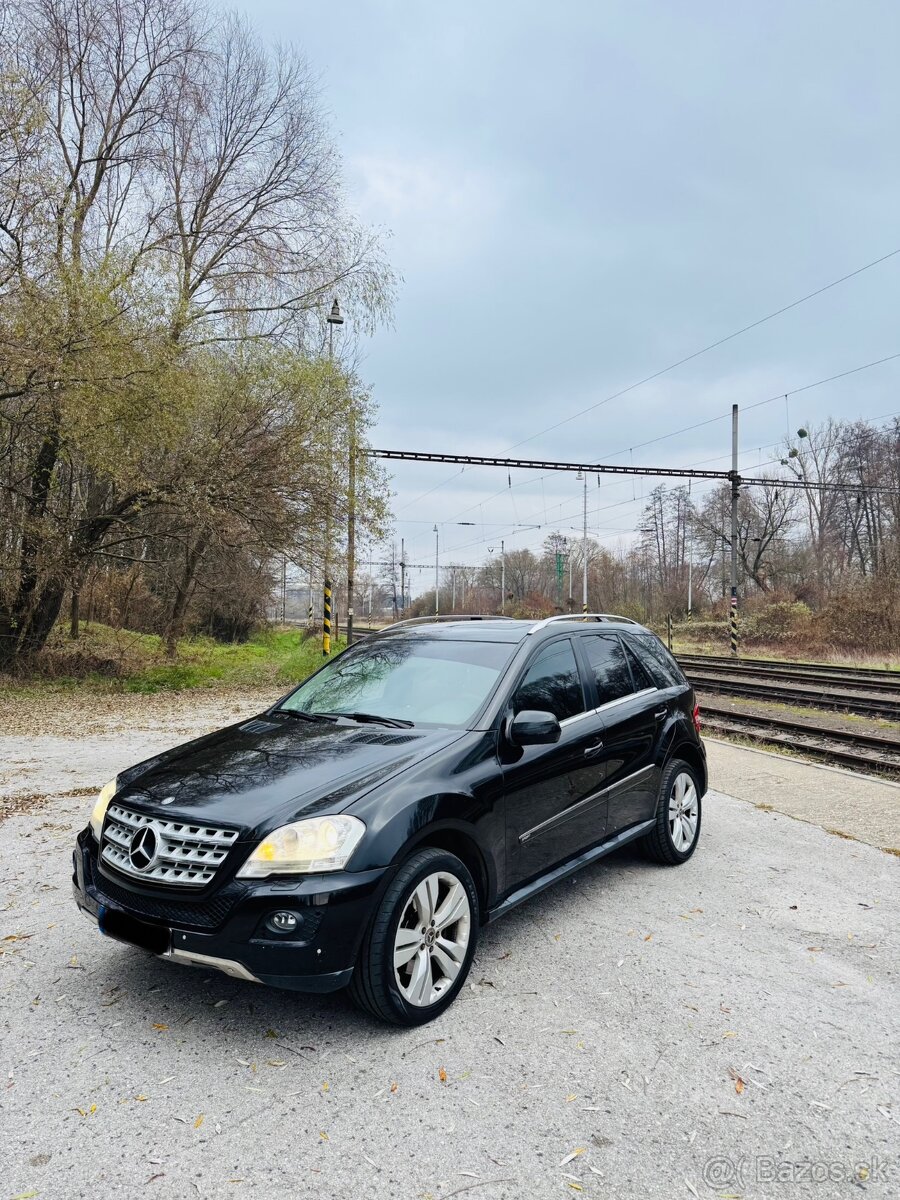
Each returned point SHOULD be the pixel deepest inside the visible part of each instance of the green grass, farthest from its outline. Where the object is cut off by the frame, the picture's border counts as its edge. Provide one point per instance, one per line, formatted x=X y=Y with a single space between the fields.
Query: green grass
x=115 y=661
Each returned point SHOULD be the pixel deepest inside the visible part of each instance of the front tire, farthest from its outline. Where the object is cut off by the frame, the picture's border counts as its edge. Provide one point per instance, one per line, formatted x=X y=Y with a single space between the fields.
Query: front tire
x=420 y=943
x=674 y=838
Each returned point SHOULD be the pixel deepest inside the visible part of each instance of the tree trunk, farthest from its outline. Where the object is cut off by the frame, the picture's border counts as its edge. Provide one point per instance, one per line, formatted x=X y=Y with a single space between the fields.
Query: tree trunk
x=75 y=611
x=183 y=589
x=25 y=624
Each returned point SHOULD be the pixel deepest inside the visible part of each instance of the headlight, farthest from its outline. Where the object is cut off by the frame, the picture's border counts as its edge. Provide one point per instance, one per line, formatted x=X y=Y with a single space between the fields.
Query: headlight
x=102 y=804
x=316 y=844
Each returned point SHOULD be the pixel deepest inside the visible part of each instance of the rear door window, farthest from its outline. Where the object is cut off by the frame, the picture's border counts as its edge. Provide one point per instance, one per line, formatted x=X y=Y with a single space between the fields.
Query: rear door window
x=552 y=683
x=657 y=660
x=606 y=657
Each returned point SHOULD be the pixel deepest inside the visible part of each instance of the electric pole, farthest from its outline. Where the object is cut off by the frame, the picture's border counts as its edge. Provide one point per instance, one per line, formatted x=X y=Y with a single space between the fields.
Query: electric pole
x=735 y=492
x=584 y=565
x=437 y=577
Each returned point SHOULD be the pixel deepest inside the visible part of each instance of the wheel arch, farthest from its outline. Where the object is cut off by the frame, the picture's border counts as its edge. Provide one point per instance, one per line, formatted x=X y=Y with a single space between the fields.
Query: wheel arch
x=694 y=757
x=462 y=841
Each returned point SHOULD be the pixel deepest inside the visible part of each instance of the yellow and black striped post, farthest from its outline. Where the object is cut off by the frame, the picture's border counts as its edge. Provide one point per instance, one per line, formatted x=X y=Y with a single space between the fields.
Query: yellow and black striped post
x=734 y=633
x=584 y=607
x=326 y=621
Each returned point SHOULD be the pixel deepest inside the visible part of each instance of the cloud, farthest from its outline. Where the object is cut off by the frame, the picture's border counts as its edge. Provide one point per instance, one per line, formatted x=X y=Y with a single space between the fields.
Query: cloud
x=438 y=208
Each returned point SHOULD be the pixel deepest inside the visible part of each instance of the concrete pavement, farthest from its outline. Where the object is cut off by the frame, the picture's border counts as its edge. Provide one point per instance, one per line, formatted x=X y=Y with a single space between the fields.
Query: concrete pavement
x=725 y=1028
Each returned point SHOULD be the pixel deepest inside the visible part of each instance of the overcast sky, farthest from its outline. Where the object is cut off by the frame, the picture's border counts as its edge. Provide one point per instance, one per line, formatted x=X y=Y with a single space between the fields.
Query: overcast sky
x=578 y=195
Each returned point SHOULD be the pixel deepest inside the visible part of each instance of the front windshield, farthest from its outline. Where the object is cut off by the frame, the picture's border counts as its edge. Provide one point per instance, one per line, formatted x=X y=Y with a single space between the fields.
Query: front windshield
x=430 y=681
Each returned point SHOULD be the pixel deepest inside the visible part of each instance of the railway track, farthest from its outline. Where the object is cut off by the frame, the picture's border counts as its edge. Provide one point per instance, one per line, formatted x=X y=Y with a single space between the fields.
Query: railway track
x=875 y=694
x=859 y=751
x=865 y=677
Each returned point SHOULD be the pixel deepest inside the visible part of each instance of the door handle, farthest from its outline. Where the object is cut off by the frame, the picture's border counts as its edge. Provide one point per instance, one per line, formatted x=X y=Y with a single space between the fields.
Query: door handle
x=661 y=713
x=592 y=750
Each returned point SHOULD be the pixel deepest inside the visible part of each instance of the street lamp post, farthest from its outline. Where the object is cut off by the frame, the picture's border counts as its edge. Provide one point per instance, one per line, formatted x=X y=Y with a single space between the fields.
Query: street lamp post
x=502 y=578
x=334 y=318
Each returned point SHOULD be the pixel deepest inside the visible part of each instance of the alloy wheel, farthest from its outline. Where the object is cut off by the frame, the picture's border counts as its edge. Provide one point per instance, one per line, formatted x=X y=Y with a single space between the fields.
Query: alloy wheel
x=684 y=807
x=432 y=938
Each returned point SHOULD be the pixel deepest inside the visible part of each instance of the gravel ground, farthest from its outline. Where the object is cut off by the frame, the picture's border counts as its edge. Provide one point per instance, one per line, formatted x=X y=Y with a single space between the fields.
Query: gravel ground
x=635 y=1032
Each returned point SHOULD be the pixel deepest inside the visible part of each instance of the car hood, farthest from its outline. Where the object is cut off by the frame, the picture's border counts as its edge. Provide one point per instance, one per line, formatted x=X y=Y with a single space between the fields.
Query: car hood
x=273 y=769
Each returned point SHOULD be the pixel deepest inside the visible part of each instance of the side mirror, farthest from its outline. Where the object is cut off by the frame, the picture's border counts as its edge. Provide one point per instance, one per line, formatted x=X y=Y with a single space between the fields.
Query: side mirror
x=533 y=728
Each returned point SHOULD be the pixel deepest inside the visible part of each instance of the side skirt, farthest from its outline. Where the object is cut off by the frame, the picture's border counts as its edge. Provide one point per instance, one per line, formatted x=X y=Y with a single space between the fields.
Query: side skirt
x=569 y=868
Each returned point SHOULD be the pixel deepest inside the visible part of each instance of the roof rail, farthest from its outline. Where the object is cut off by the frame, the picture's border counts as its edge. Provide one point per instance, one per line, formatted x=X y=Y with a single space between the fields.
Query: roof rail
x=582 y=617
x=444 y=617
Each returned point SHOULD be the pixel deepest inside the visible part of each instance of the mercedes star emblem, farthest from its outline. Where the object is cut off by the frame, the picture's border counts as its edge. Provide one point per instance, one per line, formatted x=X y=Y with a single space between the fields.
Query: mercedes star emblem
x=143 y=848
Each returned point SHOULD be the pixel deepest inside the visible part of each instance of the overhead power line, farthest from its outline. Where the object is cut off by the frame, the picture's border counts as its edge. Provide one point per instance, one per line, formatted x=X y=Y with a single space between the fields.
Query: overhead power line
x=713 y=345
x=685 y=359
x=532 y=464
x=699 y=424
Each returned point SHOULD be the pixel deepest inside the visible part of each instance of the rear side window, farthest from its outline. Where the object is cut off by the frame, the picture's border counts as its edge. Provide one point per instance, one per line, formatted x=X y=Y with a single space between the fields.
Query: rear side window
x=639 y=673
x=552 y=683
x=657 y=659
x=609 y=666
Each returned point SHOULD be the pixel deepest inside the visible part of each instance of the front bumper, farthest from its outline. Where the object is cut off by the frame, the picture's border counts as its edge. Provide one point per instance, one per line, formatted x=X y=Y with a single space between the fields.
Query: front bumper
x=226 y=932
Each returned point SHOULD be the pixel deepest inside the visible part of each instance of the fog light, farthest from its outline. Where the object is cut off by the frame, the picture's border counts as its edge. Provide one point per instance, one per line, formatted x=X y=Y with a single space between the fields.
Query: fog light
x=282 y=922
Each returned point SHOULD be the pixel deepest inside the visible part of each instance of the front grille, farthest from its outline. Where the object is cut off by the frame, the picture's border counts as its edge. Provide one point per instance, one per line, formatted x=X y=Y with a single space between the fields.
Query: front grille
x=201 y=914
x=172 y=852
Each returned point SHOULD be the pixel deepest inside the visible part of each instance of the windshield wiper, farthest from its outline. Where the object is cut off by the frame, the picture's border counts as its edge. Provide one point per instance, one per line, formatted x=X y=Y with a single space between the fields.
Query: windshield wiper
x=305 y=716
x=374 y=719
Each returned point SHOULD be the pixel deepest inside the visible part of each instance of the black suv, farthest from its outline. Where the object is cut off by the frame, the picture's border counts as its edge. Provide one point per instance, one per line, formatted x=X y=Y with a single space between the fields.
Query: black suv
x=419 y=785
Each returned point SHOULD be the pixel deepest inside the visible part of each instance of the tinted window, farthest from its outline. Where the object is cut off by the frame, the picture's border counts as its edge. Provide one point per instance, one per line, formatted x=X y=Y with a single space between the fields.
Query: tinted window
x=639 y=673
x=609 y=665
x=433 y=681
x=658 y=661
x=552 y=683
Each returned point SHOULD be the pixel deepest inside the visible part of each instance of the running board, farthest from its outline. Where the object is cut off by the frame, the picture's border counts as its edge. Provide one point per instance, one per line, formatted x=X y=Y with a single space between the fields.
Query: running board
x=569 y=868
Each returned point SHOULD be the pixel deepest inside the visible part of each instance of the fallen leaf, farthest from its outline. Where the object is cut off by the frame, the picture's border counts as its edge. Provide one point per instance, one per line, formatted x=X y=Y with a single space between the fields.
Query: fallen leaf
x=739 y=1085
x=648 y=937
x=442 y=1075
x=156 y=1025
x=394 y=1087
x=575 y=1153
x=323 y=1135
x=326 y=1086
x=141 y=1097
x=571 y=1097
x=198 y=1122
x=270 y=1033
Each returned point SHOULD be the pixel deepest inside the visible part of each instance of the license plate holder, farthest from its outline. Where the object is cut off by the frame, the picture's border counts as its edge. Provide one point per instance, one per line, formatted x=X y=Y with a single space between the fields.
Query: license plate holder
x=125 y=928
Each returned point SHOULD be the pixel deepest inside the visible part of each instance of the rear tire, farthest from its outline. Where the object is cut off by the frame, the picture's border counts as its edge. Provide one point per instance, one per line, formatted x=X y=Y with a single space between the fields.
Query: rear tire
x=419 y=946
x=674 y=837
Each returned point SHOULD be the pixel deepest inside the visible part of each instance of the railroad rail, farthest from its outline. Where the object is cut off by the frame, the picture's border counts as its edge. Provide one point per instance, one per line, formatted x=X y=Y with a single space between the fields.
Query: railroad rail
x=875 y=695
x=869 y=677
x=859 y=751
